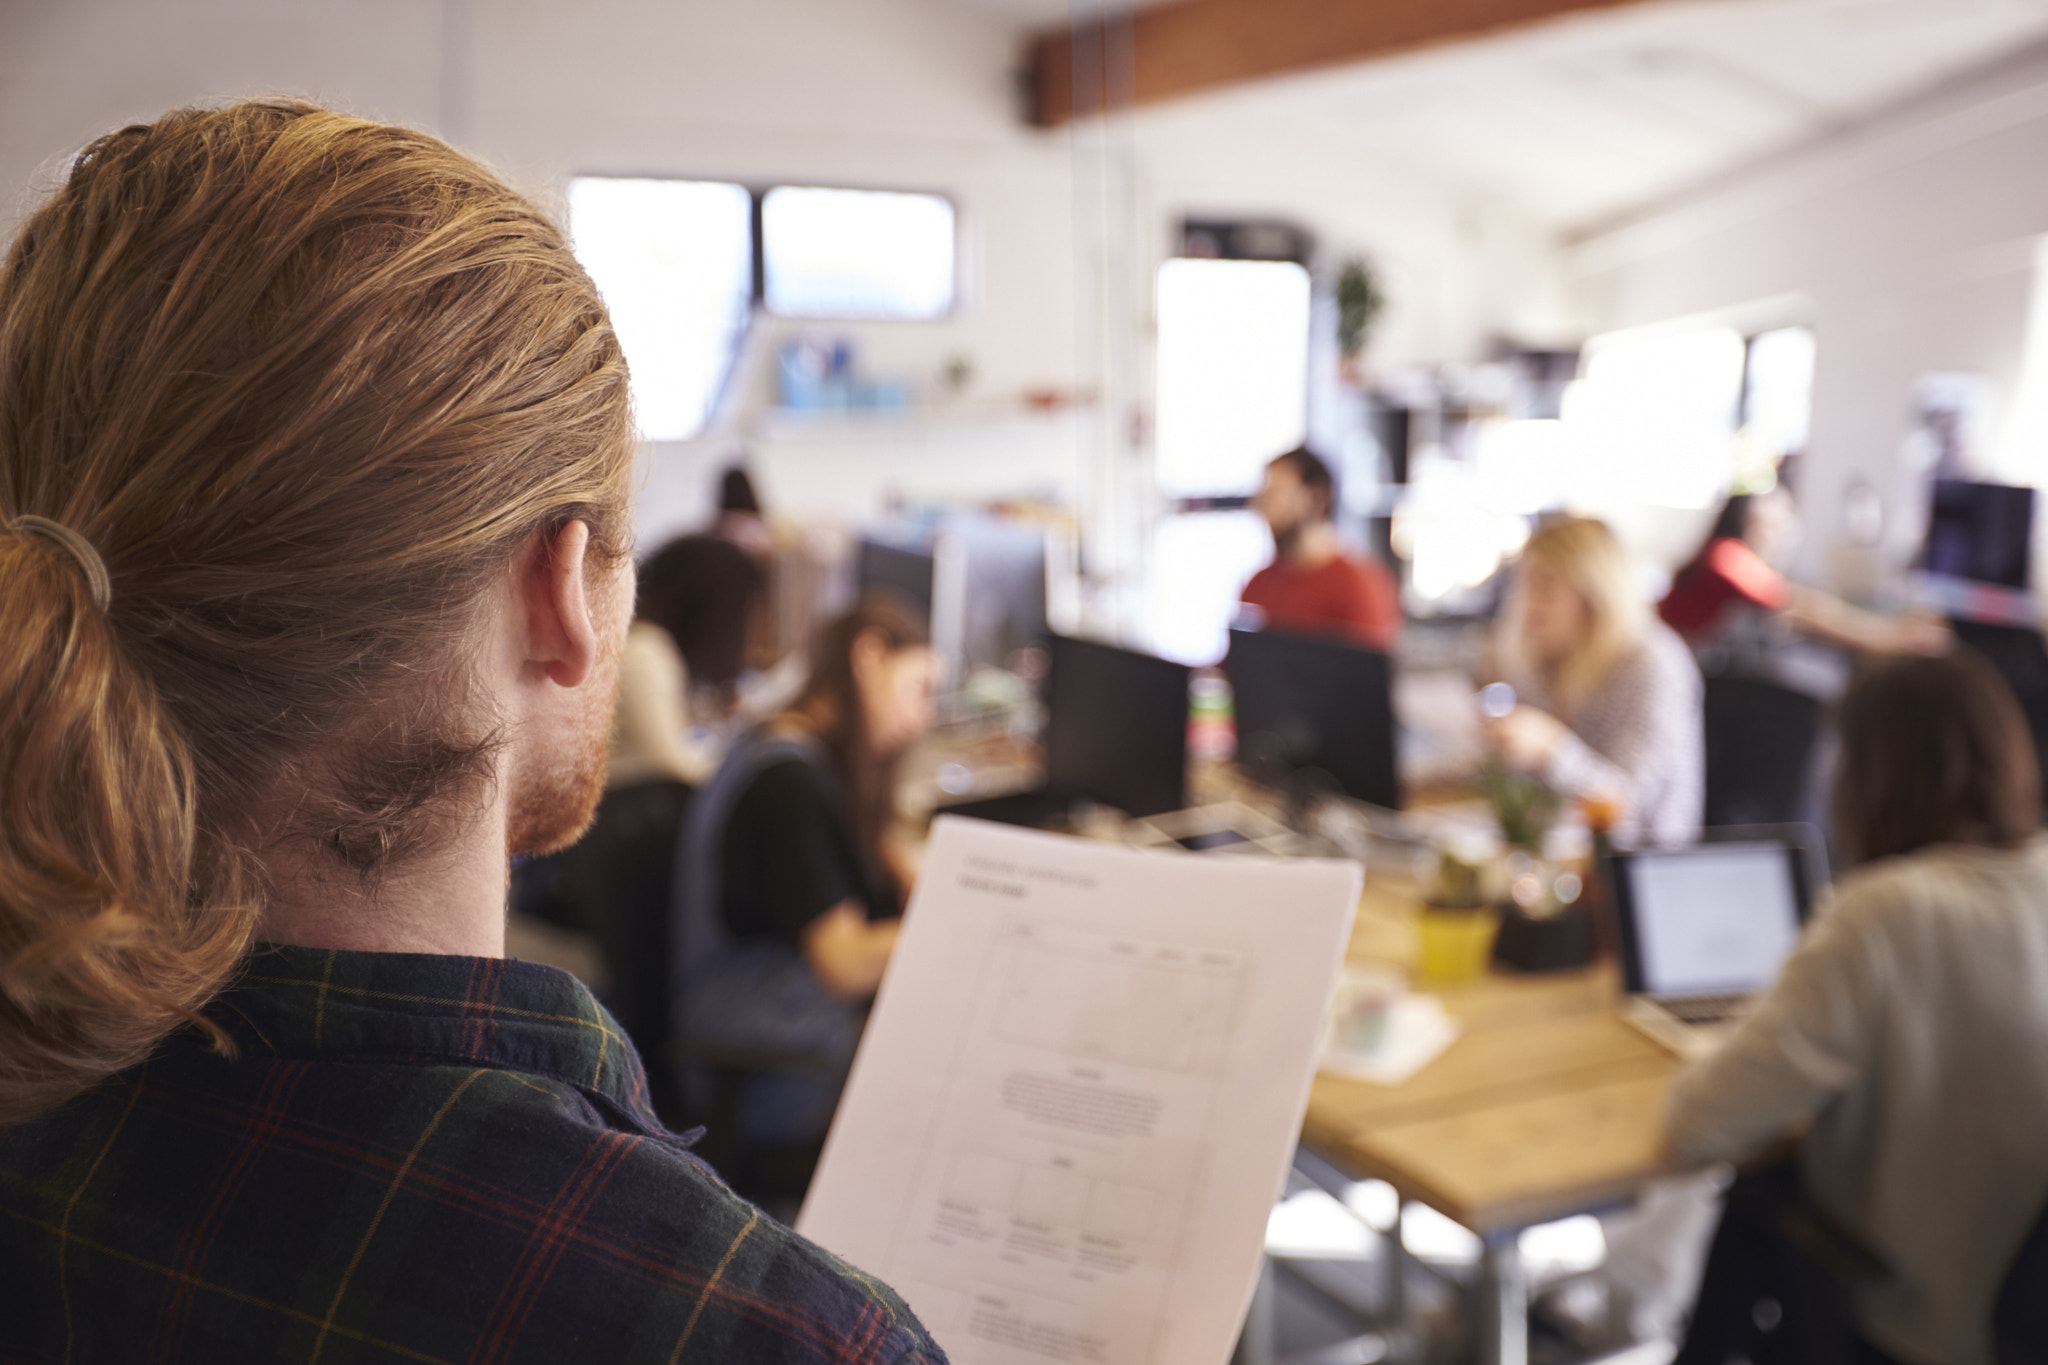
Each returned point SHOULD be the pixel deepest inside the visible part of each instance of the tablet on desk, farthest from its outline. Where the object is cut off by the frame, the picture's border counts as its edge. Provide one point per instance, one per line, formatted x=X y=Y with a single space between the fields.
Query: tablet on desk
x=1227 y=827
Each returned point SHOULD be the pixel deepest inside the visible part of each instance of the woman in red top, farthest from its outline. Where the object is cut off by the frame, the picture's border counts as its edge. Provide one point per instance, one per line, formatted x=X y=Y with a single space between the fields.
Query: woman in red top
x=1730 y=582
x=1313 y=587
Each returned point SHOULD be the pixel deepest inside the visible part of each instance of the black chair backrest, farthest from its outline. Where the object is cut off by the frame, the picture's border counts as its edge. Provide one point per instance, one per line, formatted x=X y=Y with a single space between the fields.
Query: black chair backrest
x=1760 y=742
x=2019 y=1319
x=2021 y=657
x=616 y=882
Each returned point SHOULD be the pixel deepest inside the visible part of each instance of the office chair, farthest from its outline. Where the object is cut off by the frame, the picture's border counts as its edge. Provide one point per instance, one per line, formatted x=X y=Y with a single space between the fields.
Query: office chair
x=2019 y=1317
x=1761 y=739
x=614 y=885
x=1781 y=1277
x=2021 y=658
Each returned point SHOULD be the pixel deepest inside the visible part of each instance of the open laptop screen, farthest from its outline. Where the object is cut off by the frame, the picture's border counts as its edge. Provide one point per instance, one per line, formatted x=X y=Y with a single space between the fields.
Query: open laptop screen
x=1714 y=920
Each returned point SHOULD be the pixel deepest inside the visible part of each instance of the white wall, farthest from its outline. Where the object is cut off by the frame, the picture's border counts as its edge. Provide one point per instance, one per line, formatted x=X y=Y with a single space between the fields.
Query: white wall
x=1461 y=270
x=895 y=93
x=1908 y=243
x=916 y=94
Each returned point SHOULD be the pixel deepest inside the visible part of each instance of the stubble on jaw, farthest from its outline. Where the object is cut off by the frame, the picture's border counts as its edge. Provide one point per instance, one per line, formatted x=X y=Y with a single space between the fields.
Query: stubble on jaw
x=555 y=805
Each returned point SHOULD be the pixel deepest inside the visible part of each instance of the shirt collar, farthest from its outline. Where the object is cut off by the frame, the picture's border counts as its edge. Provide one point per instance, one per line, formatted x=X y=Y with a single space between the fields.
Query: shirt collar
x=327 y=1004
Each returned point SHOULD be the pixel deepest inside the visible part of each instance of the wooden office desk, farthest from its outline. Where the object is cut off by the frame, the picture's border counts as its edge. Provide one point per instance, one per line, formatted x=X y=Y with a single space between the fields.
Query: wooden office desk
x=1547 y=1105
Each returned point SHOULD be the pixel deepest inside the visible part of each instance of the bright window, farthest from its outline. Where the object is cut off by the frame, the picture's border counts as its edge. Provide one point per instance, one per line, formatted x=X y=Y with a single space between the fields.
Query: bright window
x=1233 y=393
x=674 y=260
x=1778 y=390
x=1233 y=371
x=1653 y=421
x=1200 y=563
x=857 y=253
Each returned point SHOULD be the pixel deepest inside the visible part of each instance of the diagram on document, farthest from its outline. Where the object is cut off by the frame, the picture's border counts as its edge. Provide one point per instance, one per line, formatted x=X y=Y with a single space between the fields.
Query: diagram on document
x=1051 y=1208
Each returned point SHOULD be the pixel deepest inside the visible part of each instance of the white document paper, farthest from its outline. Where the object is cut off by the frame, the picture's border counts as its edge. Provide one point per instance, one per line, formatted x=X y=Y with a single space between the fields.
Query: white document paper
x=1079 y=1093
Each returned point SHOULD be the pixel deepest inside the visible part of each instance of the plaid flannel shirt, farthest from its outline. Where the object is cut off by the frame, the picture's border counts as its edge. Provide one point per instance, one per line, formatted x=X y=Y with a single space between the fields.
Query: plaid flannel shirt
x=413 y=1158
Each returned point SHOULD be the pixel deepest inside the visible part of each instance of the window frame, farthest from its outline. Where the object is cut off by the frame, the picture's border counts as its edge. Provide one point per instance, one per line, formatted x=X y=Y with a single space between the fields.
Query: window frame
x=757 y=194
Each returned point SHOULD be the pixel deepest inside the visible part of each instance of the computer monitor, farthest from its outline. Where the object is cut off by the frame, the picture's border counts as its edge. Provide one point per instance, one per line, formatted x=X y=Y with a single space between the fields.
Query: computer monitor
x=1716 y=919
x=1116 y=728
x=1307 y=706
x=906 y=572
x=1980 y=533
x=1002 y=607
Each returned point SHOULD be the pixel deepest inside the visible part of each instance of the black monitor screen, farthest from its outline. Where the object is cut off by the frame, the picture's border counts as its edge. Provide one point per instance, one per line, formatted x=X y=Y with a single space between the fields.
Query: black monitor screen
x=898 y=570
x=1116 y=728
x=1980 y=532
x=1306 y=706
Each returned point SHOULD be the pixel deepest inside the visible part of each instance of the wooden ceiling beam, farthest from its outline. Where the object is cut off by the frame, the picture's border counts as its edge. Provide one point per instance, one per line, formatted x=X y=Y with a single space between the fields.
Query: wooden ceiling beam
x=1194 y=45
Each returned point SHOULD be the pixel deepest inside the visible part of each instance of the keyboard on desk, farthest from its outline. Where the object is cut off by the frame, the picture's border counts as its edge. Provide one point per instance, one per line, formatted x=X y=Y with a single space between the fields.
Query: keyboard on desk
x=1704 y=1009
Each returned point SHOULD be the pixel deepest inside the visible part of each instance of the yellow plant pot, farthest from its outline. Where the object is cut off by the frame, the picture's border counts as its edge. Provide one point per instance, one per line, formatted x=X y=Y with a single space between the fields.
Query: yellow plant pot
x=1457 y=945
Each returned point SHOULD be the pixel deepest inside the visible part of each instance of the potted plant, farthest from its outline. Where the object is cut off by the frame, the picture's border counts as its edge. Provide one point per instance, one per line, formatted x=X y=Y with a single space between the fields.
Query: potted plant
x=1458 y=919
x=1360 y=301
x=1544 y=927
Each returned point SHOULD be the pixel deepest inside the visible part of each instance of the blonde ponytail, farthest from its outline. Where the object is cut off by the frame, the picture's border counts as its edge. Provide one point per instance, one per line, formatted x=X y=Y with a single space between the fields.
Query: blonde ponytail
x=305 y=383
x=104 y=945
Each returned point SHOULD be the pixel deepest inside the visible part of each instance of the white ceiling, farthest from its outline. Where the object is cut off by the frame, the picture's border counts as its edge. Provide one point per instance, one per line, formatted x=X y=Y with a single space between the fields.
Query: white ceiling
x=1577 y=121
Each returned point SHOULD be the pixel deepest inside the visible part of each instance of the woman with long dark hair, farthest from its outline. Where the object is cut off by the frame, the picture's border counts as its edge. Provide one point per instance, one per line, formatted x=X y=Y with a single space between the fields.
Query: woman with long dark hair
x=1906 y=1037
x=789 y=898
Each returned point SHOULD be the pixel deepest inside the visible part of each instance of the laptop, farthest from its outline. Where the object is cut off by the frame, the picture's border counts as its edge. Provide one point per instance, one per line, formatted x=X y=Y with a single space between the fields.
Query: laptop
x=1116 y=734
x=1315 y=711
x=1704 y=929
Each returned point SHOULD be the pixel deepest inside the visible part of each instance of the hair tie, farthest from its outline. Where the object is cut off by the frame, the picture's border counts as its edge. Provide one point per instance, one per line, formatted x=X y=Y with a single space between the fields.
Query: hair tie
x=81 y=549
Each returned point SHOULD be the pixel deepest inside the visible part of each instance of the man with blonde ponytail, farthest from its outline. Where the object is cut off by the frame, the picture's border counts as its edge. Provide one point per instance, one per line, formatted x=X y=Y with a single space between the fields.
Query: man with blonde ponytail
x=314 y=453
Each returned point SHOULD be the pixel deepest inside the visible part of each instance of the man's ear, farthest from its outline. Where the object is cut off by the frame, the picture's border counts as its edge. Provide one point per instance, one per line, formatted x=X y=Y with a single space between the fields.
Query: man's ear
x=562 y=640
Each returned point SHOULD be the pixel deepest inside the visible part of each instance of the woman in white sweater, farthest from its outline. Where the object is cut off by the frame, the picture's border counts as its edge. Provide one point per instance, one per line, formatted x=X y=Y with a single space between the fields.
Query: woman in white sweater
x=1908 y=1037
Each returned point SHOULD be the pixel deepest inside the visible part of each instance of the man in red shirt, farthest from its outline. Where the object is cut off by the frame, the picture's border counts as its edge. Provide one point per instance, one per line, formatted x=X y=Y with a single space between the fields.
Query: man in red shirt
x=1313 y=587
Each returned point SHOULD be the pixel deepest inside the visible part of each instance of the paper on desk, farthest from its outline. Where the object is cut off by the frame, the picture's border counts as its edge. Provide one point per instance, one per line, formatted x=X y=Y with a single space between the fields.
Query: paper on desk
x=1418 y=1029
x=1079 y=1093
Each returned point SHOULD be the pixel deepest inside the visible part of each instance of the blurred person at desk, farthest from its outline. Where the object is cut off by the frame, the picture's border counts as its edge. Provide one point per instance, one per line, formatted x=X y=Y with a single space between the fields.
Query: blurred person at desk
x=1742 y=615
x=694 y=626
x=1609 y=698
x=1906 y=1037
x=789 y=899
x=1313 y=587
x=740 y=518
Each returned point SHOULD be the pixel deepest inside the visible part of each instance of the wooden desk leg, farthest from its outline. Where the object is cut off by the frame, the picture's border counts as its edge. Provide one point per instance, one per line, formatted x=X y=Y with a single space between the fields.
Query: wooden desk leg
x=1255 y=1338
x=1503 y=1302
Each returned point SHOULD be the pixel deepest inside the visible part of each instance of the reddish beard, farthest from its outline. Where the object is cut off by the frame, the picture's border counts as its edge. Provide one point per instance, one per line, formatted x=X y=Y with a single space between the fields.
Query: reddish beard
x=556 y=802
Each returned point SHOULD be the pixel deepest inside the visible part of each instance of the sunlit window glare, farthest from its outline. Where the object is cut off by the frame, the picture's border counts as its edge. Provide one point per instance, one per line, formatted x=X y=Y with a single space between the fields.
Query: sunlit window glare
x=1457 y=526
x=674 y=260
x=857 y=253
x=1233 y=371
x=1200 y=562
x=1778 y=395
x=1233 y=393
x=1652 y=423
